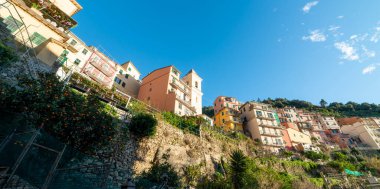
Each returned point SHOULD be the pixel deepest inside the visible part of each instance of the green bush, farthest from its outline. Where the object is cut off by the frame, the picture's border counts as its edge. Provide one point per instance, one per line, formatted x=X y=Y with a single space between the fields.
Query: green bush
x=186 y=123
x=7 y=55
x=315 y=155
x=158 y=175
x=339 y=156
x=143 y=125
x=83 y=122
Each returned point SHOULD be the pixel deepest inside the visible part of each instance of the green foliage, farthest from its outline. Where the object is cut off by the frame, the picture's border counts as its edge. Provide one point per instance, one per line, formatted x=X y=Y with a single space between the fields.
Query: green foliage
x=239 y=169
x=7 y=55
x=338 y=156
x=336 y=109
x=143 y=125
x=192 y=174
x=341 y=165
x=187 y=123
x=315 y=155
x=208 y=110
x=159 y=175
x=83 y=122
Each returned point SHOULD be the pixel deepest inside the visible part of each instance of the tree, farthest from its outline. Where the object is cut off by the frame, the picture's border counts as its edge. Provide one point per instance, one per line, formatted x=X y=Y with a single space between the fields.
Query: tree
x=239 y=168
x=323 y=103
x=143 y=125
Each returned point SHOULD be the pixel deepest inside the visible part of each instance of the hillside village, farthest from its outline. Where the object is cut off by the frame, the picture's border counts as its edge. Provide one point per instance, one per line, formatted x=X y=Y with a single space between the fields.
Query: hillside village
x=173 y=97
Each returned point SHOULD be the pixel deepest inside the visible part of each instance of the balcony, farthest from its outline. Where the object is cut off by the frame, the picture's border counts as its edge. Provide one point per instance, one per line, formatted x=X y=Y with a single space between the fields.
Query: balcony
x=270 y=134
x=275 y=144
x=266 y=118
x=184 y=102
x=104 y=81
x=269 y=125
x=100 y=65
x=52 y=14
x=184 y=88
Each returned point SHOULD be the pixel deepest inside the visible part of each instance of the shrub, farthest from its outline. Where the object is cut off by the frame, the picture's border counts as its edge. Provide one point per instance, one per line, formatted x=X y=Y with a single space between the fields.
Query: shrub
x=143 y=125
x=157 y=175
x=339 y=156
x=83 y=122
x=315 y=155
x=7 y=55
x=187 y=123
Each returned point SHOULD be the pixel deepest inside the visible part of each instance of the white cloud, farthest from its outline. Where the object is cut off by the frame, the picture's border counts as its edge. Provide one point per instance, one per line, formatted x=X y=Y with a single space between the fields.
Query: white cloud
x=340 y=17
x=368 y=53
x=376 y=36
x=348 y=51
x=308 y=6
x=315 y=36
x=369 y=69
x=335 y=30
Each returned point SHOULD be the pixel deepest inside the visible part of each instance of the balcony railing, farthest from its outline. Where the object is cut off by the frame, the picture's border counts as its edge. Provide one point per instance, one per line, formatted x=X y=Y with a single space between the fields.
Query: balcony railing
x=104 y=81
x=277 y=144
x=270 y=134
x=269 y=125
x=266 y=118
x=52 y=13
x=184 y=88
x=99 y=65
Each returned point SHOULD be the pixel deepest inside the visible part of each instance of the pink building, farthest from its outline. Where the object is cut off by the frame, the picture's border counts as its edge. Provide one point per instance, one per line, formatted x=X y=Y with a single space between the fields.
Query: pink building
x=165 y=90
x=100 y=68
x=223 y=101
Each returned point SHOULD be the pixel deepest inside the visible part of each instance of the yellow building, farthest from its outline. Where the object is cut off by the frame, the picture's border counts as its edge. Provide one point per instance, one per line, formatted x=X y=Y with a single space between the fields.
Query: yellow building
x=228 y=119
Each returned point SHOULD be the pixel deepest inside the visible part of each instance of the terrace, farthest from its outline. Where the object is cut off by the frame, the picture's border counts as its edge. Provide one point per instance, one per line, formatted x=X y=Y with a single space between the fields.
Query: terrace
x=51 y=13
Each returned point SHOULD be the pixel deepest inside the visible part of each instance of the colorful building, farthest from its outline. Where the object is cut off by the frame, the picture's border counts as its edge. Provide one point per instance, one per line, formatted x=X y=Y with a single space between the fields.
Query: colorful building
x=261 y=123
x=165 y=90
x=228 y=119
x=42 y=25
x=126 y=79
x=223 y=101
x=329 y=123
x=367 y=130
x=100 y=68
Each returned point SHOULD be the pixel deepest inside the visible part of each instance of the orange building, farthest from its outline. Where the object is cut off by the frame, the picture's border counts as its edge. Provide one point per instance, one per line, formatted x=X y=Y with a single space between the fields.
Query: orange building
x=165 y=90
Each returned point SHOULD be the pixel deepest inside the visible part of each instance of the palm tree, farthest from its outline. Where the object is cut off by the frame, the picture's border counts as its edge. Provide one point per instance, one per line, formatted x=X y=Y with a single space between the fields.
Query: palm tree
x=239 y=167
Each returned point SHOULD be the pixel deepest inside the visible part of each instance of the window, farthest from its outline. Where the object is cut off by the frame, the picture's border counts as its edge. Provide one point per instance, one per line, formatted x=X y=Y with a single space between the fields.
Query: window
x=105 y=66
x=148 y=98
x=101 y=77
x=223 y=120
x=117 y=80
x=121 y=72
x=85 y=51
x=180 y=106
x=37 y=38
x=77 y=61
x=196 y=84
x=270 y=115
x=259 y=113
x=222 y=113
x=150 y=89
x=73 y=42
x=126 y=76
x=123 y=84
x=129 y=69
x=12 y=24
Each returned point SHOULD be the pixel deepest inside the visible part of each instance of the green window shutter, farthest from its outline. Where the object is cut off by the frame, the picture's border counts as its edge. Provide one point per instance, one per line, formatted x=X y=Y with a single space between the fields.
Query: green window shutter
x=37 y=38
x=12 y=24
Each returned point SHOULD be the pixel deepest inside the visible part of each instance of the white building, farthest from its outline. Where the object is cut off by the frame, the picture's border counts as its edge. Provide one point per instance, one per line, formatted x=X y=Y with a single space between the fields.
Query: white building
x=367 y=130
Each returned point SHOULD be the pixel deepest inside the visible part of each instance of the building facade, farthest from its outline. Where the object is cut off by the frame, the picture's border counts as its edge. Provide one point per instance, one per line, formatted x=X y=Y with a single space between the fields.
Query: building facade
x=100 y=68
x=366 y=130
x=261 y=123
x=165 y=90
x=42 y=25
x=126 y=79
x=223 y=101
x=228 y=119
x=329 y=123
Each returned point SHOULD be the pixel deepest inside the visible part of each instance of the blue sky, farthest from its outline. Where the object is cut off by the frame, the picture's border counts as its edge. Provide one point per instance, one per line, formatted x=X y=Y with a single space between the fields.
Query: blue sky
x=294 y=49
